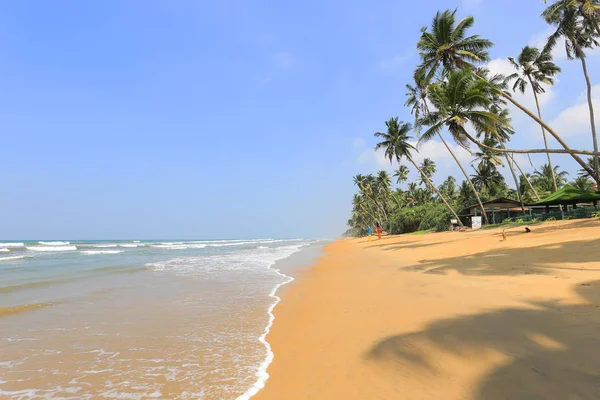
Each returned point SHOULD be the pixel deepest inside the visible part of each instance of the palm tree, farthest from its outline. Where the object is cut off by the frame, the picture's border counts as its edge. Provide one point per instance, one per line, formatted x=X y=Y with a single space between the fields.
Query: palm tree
x=589 y=10
x=535 y=68
x=396 y=144
x=496 y=90
x=428 y=169
x=489 y=179
x=447 y=46
x=578 y=35
x=448 y=188
x=366 y=193
x=501 y=134
x=583 y=183
x=542 y=178
x=459 y=100
x=401 y=174
x=584 y=172
x=416 y=99
x=384 y=184
x=485 y=156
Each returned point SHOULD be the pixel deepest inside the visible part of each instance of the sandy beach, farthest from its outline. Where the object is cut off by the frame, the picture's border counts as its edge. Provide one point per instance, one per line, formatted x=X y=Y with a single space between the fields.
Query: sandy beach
x=444 y=316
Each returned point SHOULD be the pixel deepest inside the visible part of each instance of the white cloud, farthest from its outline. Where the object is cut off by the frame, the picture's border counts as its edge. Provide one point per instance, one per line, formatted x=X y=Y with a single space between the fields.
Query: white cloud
x=358 y=143
x=283 y=59
x=391 y=62
x=575 y=120
x=439 y=153
x=539 y=40
x=431 y=149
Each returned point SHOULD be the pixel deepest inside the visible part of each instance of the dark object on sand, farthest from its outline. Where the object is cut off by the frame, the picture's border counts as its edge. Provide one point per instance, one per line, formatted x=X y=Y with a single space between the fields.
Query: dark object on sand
x=527 y=230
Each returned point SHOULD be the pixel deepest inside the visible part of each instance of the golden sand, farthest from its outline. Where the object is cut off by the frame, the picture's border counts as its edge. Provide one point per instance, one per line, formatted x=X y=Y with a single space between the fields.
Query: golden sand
x=445 y=316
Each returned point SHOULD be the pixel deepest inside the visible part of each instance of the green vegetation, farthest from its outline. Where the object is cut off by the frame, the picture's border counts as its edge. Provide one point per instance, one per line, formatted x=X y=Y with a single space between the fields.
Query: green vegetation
x=453 y=95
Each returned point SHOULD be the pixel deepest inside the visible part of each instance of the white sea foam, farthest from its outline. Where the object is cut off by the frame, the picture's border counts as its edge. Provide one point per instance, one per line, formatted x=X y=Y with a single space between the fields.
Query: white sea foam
x=12 y=244
x=136 y=241
x=52 y=248
x=170 y=246
x=92 y=252
x=128 y=245
x=12 y=258
x=262 y=375
x=104 y=246
x=4 y=250
x=54 y=243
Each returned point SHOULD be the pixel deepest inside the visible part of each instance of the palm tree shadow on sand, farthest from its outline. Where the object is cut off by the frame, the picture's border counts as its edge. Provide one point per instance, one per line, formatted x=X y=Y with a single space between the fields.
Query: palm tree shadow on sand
x=510 y=262
x=553 y=350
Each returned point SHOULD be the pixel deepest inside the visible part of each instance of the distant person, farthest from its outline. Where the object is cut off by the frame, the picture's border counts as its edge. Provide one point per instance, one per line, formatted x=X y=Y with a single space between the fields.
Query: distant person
x=369 y=233
x=378 y=231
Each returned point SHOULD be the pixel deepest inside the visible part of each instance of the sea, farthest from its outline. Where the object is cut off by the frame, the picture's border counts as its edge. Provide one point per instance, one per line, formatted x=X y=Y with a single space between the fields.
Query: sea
x=136 y=319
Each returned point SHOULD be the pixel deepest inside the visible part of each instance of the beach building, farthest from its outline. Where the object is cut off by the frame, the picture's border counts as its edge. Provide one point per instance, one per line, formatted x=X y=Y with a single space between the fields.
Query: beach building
x=497 y=210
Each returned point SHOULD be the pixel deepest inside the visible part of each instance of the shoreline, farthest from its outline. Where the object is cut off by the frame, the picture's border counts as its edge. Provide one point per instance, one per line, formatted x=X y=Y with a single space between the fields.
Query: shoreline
x=445 y=315
x=293 y=268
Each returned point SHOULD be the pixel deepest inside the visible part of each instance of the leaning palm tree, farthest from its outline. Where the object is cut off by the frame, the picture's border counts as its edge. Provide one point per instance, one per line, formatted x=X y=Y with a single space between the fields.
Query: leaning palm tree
x=401 y=174
x=534 y=68
x=590 y=163
x=447 y=45
x=416 y=99
x=501 y=134
x=588 y=10
x=459 y=100
x=396 y=144
x=366 y=193
x=428 y=169
x=578 y=36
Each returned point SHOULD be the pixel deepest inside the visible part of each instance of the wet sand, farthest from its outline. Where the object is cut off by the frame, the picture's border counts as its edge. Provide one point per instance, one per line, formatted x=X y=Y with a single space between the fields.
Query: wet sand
x=444 y=316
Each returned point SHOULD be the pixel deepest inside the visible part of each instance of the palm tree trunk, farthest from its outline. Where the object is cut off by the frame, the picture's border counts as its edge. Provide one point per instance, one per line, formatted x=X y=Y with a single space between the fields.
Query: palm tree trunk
x=436 y=191
x=517 y=185
x=537 y=104
x=467 y=177
x=591 y=107
x=526 y=178
x=595 y=176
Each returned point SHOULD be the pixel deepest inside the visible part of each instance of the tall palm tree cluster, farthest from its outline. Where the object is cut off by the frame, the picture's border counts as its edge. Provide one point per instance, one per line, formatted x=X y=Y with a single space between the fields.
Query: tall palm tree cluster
x=454 y=98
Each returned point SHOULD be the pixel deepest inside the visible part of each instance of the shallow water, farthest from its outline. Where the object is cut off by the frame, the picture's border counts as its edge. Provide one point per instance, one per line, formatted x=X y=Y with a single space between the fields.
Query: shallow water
x=132 y=320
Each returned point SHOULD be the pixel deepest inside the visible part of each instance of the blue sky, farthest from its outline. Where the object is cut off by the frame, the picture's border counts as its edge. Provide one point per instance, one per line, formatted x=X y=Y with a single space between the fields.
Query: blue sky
x=196 y=119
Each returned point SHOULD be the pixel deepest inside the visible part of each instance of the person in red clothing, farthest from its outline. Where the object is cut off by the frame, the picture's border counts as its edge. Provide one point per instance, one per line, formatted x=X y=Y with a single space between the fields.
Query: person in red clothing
x=378 y=231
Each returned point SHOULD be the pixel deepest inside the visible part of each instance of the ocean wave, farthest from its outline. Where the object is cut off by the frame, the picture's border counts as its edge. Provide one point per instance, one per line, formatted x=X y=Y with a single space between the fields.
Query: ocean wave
x=215 y=265
x=52 y=248
x=54 y=243
x=170 y=246
x=4 y=250
x=12 y=244
x=136 y=241
x=104 y=246
x=12 y=258
x=92 y=252
x=129 y=245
